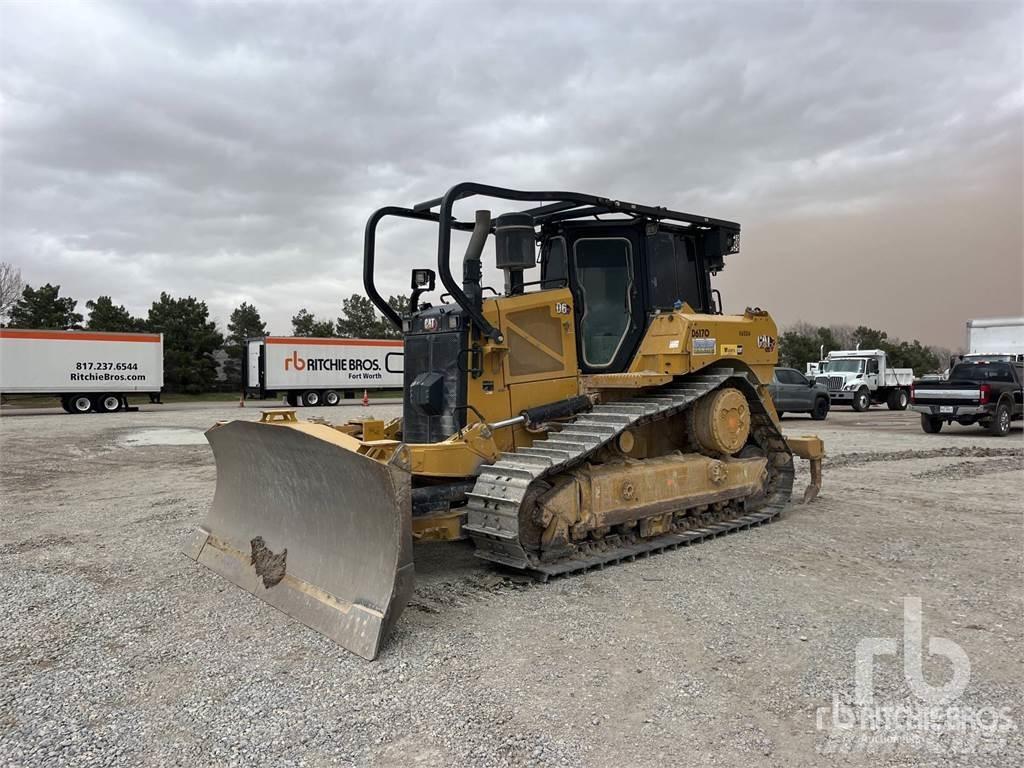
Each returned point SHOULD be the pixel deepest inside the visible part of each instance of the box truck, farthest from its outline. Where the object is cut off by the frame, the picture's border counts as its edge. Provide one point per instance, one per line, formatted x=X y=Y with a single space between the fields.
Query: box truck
x=996 y=339
x=85 y=370
x=313 y=371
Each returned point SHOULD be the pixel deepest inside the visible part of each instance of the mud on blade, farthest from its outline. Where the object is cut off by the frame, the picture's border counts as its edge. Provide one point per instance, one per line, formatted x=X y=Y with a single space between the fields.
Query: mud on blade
x=314 y=529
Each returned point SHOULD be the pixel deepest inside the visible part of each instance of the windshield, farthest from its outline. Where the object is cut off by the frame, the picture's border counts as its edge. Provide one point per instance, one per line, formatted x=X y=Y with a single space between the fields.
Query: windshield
x=981 y=372
x=855 y=365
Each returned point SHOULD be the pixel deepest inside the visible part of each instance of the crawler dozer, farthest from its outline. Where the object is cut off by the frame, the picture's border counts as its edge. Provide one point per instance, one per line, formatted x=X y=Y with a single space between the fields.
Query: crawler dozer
x=602 y=409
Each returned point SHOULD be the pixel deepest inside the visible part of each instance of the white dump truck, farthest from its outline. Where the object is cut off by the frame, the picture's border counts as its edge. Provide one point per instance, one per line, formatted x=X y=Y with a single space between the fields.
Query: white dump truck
x=863 y=377
x=996 y=339
x=85 y=370
x=317 y=371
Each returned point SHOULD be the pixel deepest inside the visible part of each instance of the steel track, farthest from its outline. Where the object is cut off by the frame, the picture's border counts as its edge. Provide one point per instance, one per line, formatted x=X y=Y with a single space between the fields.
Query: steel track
x=495 y=502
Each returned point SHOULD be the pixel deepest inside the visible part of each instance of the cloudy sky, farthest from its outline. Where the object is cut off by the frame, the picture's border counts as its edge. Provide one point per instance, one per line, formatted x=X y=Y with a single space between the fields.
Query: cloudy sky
x=232 y=151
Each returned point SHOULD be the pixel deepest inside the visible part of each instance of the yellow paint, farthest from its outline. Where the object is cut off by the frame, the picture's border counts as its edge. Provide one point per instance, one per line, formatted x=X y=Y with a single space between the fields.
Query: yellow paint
x=684 y=342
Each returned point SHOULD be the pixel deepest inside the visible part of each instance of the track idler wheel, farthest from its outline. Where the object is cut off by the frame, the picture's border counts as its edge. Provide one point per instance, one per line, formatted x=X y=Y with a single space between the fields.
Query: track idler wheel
x=721 y=421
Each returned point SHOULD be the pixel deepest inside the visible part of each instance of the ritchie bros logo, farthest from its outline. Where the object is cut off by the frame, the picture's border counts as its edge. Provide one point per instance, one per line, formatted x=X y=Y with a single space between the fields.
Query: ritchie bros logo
x=330 y=363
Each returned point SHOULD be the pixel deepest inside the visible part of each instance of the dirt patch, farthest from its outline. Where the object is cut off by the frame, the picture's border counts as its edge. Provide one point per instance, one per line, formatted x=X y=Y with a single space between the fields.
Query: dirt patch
x=728 y=648
x=972 y=468
x=972 y=451
x=269 y=566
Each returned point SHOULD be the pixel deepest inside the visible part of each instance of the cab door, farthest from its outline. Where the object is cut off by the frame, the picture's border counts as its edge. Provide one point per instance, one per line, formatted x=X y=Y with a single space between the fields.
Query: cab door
x=605 y=273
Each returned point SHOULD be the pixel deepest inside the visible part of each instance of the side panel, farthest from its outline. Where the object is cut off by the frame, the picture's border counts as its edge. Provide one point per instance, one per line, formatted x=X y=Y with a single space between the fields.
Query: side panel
x=540 y=364
x=680 y=342
x=996 y=336
x=80 y=362
x=308 y=363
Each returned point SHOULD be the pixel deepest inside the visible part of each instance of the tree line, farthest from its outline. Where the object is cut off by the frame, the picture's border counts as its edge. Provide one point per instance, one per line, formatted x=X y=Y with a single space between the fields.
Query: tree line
x=191 y=338
x=804 y=343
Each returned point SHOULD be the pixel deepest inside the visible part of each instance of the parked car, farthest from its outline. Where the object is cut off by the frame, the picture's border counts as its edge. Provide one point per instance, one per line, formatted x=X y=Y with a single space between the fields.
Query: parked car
x=988 y=393
x=792 y=392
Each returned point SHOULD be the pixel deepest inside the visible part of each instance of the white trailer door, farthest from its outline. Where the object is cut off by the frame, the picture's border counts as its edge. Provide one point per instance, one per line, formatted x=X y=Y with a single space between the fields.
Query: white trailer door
x=253 y=352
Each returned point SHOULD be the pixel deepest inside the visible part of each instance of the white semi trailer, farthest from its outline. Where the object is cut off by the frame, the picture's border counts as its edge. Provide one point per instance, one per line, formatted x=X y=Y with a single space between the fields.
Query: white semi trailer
x=996 y=339
x=315 y=371
x=85 y=370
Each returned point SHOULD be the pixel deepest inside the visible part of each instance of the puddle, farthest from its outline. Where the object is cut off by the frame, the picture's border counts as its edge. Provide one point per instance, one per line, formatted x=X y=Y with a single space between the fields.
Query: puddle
x=165 y=436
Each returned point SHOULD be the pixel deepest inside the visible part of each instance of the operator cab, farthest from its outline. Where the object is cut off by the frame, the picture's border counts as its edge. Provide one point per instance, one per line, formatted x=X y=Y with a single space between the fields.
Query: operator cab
x=621 y=273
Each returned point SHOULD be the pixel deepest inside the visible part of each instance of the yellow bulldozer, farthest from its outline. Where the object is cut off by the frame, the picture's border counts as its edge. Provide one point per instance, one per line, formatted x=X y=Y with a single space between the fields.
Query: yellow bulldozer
x=602 y=409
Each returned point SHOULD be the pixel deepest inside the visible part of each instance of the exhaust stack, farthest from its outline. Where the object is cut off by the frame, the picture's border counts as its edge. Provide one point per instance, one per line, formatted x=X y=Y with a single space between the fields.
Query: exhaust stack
x=471 y=270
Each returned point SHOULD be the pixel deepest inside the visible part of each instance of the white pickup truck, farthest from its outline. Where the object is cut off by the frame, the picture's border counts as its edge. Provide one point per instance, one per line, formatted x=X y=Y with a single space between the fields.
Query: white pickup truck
x=863 y=377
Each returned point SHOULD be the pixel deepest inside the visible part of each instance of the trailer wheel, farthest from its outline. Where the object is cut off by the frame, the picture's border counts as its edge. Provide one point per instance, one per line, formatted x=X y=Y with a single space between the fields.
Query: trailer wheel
x=311 y=399
x=65 y=403
x=106 y=403
x=79 y=404
x=331 y=397
x=292 y=399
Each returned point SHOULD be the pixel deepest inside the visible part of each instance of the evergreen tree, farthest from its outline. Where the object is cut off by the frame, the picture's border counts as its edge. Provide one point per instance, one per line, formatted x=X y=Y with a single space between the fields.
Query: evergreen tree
x=306 y=324
x=358 y=318
x=190 y=339
x=105 y=316
x=245 y=323
x=44 y=307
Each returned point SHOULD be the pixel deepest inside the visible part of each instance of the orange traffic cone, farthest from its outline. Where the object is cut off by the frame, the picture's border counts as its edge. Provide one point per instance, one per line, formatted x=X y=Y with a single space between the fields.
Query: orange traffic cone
x=241 y=400
x=366 y=397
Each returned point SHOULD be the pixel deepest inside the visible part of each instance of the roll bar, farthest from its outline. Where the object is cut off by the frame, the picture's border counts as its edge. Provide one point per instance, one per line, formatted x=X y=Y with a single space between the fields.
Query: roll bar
x=558 y=206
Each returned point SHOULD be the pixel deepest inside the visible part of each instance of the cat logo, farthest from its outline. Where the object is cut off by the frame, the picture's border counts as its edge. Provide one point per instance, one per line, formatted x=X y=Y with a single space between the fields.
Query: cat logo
x=766 y=343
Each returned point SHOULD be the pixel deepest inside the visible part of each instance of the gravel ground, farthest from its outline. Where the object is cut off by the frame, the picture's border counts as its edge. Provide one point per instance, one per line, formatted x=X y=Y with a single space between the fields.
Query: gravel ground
x=117 y=650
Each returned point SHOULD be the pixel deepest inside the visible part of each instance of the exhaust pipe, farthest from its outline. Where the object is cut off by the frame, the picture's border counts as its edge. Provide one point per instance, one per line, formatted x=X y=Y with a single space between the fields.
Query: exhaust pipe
x=472 y=272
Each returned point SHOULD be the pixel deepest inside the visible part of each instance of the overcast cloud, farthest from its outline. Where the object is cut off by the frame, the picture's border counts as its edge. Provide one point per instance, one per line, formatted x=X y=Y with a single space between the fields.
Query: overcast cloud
x=232 y=151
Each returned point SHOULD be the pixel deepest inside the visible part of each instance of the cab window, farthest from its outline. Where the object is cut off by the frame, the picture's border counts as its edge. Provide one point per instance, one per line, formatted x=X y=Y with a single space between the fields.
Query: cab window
x=673 y=272
x=554 y=270
x=604 y=272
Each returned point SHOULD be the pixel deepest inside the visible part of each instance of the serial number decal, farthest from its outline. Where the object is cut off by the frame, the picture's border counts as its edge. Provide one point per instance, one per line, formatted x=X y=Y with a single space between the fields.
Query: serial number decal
x=766 y=343
x=561 y=308
x=704 y=346
x=744 y=333
x=700 y=333
x=84 y=366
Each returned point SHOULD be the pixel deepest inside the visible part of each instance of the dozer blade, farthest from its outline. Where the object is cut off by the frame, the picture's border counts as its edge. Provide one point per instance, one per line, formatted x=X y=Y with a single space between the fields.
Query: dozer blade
x=318 y=531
